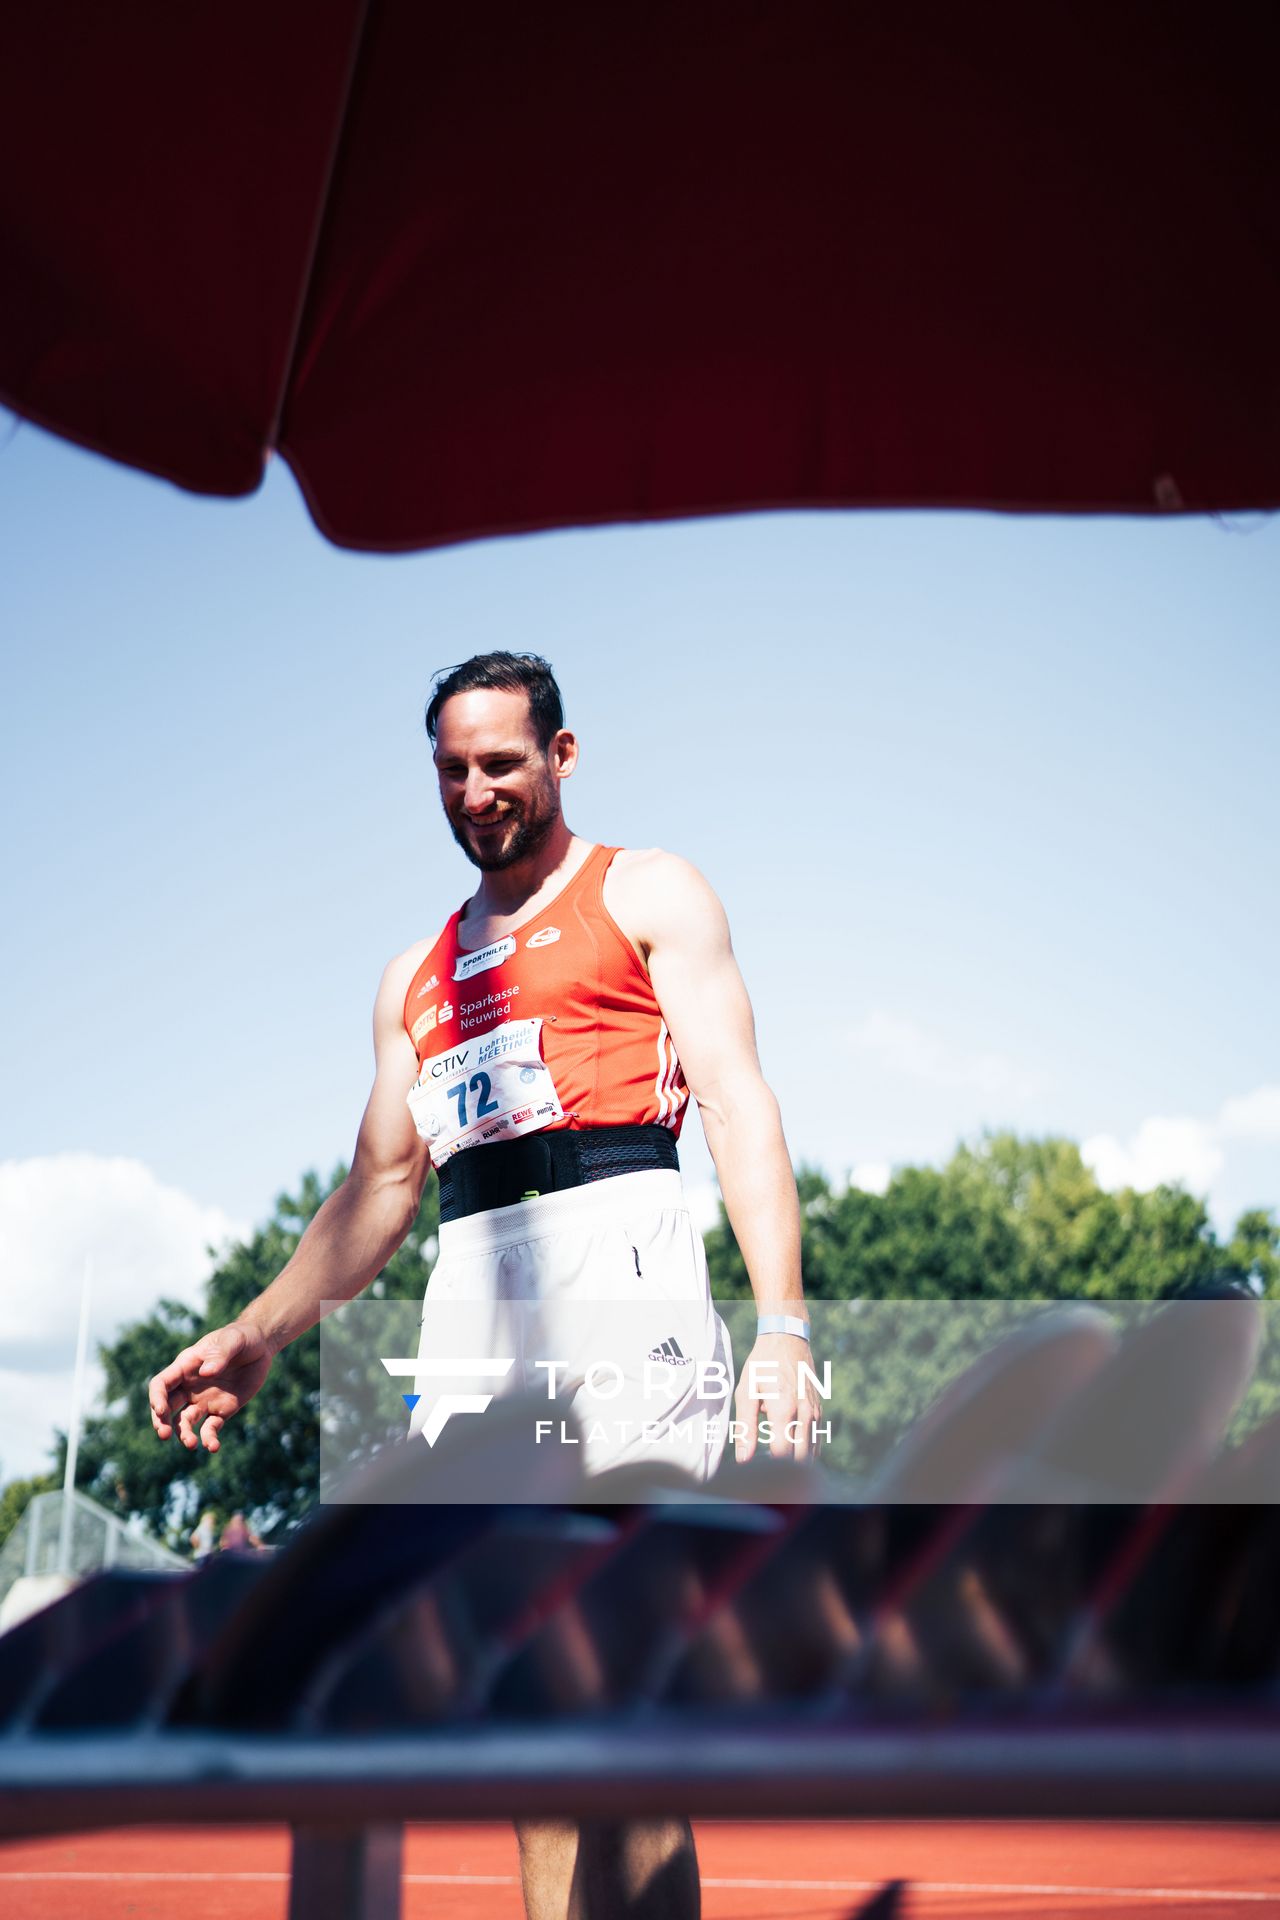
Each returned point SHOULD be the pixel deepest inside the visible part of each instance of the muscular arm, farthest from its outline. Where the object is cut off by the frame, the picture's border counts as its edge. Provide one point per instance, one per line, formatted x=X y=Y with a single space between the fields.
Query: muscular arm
x=344 y=1247
x=683 y=934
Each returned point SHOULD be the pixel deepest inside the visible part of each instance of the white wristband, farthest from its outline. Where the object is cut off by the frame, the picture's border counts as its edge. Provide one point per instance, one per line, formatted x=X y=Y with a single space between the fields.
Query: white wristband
x=782 y=1323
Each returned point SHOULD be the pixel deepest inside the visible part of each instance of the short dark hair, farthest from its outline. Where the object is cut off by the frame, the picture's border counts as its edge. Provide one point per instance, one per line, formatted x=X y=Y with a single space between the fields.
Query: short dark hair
x=526 y=673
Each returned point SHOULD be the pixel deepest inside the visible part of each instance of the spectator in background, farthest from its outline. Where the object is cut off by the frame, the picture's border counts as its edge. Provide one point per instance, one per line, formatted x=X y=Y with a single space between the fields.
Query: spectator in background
x=238 y=1533
x=205 y=1537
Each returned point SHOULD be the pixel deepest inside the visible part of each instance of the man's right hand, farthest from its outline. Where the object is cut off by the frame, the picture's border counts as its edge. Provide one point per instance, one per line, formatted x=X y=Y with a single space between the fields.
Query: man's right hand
x=345 y=1245
x=207 y=1382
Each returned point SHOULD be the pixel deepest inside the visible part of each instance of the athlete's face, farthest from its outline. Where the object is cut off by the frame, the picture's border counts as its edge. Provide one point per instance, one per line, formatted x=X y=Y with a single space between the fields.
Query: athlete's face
x=500 y=789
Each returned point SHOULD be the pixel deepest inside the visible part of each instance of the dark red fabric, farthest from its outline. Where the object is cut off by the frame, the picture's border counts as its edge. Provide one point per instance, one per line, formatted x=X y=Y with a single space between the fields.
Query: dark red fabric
x=163 y=172
x=590 y=262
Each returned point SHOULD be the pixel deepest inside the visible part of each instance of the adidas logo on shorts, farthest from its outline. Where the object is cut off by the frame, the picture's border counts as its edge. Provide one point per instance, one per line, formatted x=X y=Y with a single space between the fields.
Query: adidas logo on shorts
x=669 y=1351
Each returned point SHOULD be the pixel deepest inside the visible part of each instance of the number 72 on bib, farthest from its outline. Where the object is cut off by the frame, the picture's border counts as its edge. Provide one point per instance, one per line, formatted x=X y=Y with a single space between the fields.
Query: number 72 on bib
x=493 y=1087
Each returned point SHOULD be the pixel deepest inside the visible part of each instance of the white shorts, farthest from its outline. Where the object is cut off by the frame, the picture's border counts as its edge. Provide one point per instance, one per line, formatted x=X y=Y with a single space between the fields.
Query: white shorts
x=599 y=1295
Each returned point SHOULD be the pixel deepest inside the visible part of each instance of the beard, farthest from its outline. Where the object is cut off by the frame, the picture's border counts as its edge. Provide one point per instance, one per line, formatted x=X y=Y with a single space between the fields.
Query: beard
x=526 y=827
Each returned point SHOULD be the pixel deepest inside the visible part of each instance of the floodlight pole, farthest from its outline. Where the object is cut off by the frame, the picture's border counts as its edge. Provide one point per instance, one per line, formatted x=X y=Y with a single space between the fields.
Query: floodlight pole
x=73 y=1428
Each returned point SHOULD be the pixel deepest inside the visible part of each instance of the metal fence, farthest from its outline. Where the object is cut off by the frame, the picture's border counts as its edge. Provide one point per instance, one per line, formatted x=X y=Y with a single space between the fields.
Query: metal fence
x=97 y=1540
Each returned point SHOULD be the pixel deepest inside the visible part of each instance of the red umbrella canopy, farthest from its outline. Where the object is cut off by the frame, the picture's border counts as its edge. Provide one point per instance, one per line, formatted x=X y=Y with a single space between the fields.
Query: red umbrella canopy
x=477 y=269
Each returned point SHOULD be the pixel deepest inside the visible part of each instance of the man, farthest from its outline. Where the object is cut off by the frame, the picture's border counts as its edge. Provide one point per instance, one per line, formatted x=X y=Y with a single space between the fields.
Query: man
x=541 y=1050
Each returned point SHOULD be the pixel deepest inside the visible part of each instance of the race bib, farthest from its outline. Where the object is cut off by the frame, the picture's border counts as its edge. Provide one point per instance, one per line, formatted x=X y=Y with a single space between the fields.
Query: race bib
x=494 y=1086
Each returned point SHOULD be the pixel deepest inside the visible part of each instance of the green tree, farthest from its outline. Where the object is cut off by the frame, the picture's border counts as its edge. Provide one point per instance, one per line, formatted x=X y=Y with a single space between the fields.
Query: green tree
x=267 y=1463
x=1253 y=1256
x=1253 y=1252
x=1005 y=1220
x=14 y=1498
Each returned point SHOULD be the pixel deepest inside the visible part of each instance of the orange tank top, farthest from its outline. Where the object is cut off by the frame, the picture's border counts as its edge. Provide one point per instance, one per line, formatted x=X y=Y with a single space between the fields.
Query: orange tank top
x=555 y=1025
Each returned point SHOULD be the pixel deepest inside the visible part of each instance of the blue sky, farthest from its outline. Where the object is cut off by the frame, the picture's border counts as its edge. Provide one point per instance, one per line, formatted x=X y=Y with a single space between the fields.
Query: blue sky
x=992 y=803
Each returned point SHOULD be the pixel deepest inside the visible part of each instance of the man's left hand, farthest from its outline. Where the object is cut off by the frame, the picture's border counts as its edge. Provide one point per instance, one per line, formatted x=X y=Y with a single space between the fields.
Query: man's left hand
x=773 y=1370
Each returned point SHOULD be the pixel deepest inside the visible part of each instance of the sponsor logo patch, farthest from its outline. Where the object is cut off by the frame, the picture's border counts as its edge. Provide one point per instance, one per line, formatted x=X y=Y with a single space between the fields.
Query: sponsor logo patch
x=423 y=1024
x=422 y=992
x=543 y=937
x=483 y=958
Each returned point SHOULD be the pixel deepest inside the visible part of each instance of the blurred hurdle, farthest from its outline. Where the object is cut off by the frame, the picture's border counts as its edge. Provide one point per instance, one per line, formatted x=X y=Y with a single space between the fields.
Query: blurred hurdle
x=737 y=1653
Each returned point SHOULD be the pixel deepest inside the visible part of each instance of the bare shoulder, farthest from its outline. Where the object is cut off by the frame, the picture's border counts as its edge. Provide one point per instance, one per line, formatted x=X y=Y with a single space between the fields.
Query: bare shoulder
x=654 y=870
x=406 y=964
x=652 y=893
x=396 y=976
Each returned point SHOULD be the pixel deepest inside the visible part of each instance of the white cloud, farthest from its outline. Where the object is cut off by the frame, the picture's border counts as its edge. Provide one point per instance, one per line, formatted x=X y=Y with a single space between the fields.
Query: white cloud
x=1251 y=1116
x=1192 y=1152
x=1161 y=1152
x=871 y=1176
x=144 y=1240
x=31 y=1406
x=905 y=1048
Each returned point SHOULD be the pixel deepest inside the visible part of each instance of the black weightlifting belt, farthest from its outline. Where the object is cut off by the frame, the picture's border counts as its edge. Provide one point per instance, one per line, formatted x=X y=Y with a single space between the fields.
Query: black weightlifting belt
x=479 y=1178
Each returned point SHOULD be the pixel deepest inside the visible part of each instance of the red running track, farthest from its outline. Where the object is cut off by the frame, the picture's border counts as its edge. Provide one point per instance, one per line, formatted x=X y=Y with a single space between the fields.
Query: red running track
x=762 y=1871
